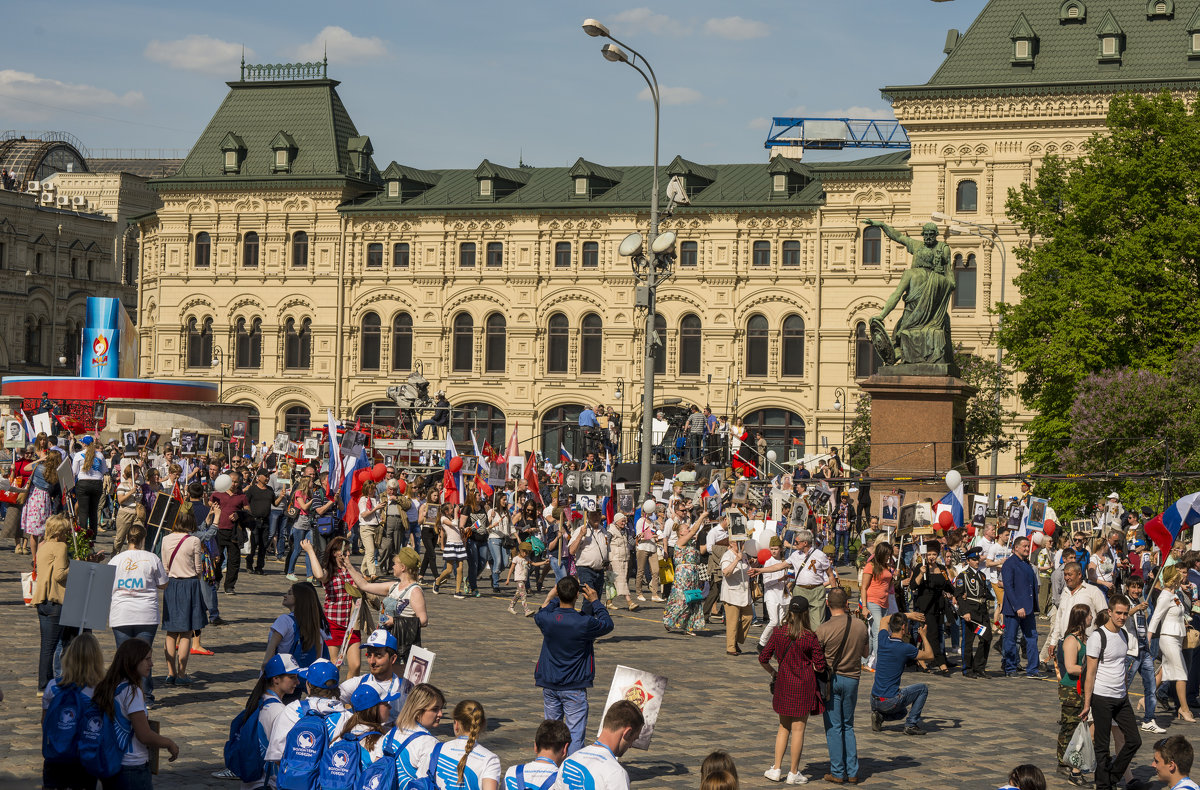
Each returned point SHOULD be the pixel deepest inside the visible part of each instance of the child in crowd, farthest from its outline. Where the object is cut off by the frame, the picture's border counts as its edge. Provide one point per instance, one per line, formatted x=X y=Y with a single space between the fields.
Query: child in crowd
x=550 y=744
x=522 y=562
x=382 y=654
x=82 y=667
x=411 y=740
x=463 y=762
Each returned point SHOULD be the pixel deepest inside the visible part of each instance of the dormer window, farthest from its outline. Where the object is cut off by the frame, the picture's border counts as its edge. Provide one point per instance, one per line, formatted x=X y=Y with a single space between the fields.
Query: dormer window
x=1112 y=39
x=695 y=176
x=1072 y=11
x=285 y=151
x=407 y=182
x=1193 y=31
x=1160 y=9
x=581 y=186
x=360 y=151
x=1024 y=42
x=393 y=189
x=497 y=181
x=591 y=179
x=485 y=187
x=234 y=151
x=779 y=182
x=788 y=176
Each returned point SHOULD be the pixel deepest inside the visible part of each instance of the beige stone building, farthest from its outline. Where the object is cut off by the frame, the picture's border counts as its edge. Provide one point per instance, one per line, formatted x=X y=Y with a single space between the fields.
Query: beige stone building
x=285 y=262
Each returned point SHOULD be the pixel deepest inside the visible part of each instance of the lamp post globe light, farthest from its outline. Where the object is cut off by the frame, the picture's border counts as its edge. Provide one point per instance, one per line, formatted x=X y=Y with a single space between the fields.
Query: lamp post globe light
x=655 y=267
x=839 y=404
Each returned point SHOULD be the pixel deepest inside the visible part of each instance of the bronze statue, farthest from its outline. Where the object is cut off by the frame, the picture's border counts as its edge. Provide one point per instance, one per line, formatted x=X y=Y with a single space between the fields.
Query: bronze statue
x=922 y=335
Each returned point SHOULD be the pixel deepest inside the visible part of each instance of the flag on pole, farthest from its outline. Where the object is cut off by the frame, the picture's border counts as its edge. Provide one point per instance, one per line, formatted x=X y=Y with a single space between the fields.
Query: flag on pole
x=481 y=485
x=531 y=480
x=512 y=450
x=335 y=458
x=29 y=429
x=952 y=501
x=1164 y=528
x=481 y=457
x=563 y=455
x=451 y=481
x=712 y=489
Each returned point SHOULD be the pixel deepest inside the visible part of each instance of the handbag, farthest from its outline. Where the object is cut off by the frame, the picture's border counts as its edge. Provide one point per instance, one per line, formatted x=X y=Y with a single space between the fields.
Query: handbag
x=704 y=574
x=1192 y=640
x=693 y=595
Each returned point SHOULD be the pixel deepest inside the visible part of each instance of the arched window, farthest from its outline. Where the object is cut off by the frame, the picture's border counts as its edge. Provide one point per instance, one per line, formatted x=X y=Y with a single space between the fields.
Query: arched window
x=463 y=352
x=252 y=423
x=370 y=342
x=33 y=341
x=780 y=427
x=966 y=197
x=872 y=246
x=299 y=249
x=297 y=344
x=762 y=253
x=557 y=342
x=203 y=254
x=494 y=343
x=402 y=341
x=484 y=419
x=756 y=346
x=248 y=344
x=560 y=427
x=250 y=250
x=379 y=414
x=199 y=343
x=866 y=358
x=689 y=346
x=591 y=344
x=297 y=422
x=660 y=351
x=793 y=346
x=966 y=274
x=70 y=348
x=374 y=256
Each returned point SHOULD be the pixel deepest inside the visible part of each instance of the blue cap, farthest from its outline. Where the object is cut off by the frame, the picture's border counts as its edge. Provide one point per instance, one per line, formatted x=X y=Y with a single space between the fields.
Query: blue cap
x=281 y=664
x=381 y=638
x=321 y=674
x=367 y=696
x=85 y=441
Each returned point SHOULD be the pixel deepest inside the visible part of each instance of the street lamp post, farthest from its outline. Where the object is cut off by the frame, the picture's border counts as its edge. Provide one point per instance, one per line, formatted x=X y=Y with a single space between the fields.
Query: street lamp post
x=54 y=305
x=620 y=395
x=992 y=236
x=839 y=404
x=613 y=52
x=218 y=362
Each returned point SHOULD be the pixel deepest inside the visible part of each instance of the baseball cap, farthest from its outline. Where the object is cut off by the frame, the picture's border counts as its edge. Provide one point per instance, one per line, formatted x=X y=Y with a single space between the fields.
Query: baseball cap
x=321 y=674
x=382 y=638
x=281 y=664
x=367 y=696
x=85 y=441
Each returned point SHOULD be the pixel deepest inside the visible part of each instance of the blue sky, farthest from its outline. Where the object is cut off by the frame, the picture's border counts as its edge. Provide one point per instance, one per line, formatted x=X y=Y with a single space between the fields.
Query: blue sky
x=448 y=84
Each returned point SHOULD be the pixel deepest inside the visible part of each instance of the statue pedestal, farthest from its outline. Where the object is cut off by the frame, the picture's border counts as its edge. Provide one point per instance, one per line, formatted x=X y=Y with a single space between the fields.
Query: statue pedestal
x=917 y=426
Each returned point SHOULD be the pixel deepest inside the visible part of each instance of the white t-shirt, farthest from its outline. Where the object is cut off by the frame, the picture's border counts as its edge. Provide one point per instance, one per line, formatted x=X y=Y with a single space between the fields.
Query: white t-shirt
x=135 y=589
x=52 y=691
x=128 y=701
x=482 y=763
x=270 y=715
x=413 y=762
x=1110 y=672
x=735 y=588
x=592 y=551
x=1102 y=561
x=335 y=716
x=593 y=767
x=997 y=552
x=391 y=687
x=811 y=566
x=535 y=773
x=775 y=581
x=647 y=534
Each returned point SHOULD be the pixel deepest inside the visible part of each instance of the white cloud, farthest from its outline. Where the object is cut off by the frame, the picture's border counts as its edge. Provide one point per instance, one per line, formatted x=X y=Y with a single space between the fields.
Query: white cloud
x=204 y=54
x=759 y=123
x=343 y=47
x=643 y=20
x=669 y=95
x=54 y=94
x=736 y=28
x=883 y=113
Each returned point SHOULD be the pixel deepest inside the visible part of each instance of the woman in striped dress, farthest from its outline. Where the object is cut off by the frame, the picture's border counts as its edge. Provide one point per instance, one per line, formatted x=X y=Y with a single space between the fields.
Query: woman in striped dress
x=454 y=551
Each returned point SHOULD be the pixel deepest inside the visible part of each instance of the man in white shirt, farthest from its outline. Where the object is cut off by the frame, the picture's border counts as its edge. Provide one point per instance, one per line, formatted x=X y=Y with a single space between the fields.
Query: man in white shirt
x=589 y=546
x=382 y=653
x=596 y=767
x=814 y=574
x=1105 y=695
x=1075 y=591
x=551 y=742
x=995 y=552
x=658 y=432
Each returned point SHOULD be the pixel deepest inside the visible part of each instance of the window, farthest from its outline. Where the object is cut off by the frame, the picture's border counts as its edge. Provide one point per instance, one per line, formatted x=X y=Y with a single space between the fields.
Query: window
x=562 y=253
x=793 y=346
x=402 y=341
x=591 y=255
x=791 y=253
x=281 y=159
x=74 y=268
x=495 y=254
x=248 y=344
x=199 y=343
x=203 y=251
x=689 y=346
x=560 y=428
x=33 y=341
x=494 y=343
x=781 y=428
x=756 y=346
x=393 y=189
x=251 y=423
x=71 y=342
x=463 y=346
x=299 y=249
x=231 y=161
x=466 y=255
x=89 y=268
x=965 y=275
x=1109 y=45
x=581 y=186
x=400 y=255
x=966 y=196
x=375 y=256
x=484 y=419
x=557 y=342
x=1022 y=48
x=297 y=422
x=37 y=260
x=591 y=344
x=866 y=358
x=688 y=254
x=370 y=342
x=872 y=246
x=779 y=182
x=250 y=250
x=485 y=187
x=762 y=253
x=660 y=348
x=297 y=344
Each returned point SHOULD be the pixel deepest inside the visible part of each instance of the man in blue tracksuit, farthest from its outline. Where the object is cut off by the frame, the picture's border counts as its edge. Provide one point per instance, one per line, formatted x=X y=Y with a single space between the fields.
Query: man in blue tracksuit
x=1020 y=582
x=566 y=667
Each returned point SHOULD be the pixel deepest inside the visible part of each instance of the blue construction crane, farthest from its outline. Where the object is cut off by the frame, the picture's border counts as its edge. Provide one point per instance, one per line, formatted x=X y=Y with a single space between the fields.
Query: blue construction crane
x=834 y=134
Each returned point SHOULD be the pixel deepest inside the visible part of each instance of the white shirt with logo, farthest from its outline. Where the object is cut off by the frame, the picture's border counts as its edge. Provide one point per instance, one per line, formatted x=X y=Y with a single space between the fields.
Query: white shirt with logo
x=593 y=767
x=135 y=589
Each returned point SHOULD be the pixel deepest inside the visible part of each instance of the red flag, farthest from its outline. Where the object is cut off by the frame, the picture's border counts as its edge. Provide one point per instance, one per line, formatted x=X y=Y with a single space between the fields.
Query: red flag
x=481 y=485
x=531 y=480
x=450 y=493
x=488 y=452
x=512 y=450
x=795 y=441
x=176 y=492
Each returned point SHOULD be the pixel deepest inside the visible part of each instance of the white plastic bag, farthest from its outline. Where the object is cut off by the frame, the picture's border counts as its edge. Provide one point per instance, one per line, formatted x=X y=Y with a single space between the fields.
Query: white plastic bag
x=1079 y=753
x=27 y=584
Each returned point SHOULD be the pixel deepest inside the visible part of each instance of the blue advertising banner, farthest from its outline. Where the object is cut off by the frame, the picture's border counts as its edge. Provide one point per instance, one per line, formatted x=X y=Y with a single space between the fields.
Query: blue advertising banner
x=109 y=341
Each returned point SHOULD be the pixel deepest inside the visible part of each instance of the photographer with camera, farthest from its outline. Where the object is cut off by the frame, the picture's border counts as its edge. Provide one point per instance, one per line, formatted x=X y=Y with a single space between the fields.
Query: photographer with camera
x=931 y=584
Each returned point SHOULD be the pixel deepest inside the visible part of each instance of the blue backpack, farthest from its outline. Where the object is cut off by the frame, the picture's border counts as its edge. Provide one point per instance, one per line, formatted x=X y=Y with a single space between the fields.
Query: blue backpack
x=304 y=657
x=100 y=747
x=341 y=764
x=381 y=774
x=521 y=780
x=245 y=748
x=429 y=781
x=302 y=751
x=61 y=724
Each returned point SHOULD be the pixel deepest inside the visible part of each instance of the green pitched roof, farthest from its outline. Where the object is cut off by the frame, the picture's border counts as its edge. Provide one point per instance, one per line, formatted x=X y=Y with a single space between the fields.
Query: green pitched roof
x=309 y=113
x=1155 y=48
x=737 y=186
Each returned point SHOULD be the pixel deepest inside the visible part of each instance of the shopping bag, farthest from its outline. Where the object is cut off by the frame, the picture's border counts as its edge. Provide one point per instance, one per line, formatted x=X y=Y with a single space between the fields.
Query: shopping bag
x=1079 y=753
x=666 y=572
x=27 y=587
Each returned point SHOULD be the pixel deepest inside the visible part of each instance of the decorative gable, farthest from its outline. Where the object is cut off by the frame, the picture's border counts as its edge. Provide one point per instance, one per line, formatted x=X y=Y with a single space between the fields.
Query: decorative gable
x=1024 y=42
x=591 y=179
x=235 y=153
x=284 y=150
x=1160 y=9
x=360 y=151
x=1112 y=39
x=788 y=176
x=404 y=183
x=497 y=181
x=1072 y=11
x=695 y=176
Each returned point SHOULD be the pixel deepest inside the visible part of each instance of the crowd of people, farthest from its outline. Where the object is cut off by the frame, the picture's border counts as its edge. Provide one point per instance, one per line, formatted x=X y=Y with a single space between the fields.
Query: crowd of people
x=1111 y=615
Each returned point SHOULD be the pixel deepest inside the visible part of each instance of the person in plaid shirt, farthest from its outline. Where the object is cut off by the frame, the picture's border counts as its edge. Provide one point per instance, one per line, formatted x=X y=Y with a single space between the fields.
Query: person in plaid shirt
x=338 y=602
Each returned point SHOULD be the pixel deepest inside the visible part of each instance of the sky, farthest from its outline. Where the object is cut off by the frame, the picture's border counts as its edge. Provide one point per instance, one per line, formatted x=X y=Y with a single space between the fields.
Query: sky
x=442 y=85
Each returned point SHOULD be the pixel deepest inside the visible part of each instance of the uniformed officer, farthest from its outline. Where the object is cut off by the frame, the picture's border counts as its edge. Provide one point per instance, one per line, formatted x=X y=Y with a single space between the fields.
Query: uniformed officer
x=975 y=599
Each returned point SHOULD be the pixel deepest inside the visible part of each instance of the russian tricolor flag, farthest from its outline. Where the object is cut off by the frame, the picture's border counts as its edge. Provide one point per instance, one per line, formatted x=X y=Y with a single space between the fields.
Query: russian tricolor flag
x=713 y=489
x=953 y=501
x=1164 y=528
x=563 y=455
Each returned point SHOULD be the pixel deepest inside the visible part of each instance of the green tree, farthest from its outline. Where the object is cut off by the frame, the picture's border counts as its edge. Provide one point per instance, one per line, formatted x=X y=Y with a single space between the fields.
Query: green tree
x=1109 y=277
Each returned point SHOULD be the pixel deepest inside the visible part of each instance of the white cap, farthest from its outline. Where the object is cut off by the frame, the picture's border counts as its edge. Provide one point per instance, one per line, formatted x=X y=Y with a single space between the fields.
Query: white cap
x=1113 y=495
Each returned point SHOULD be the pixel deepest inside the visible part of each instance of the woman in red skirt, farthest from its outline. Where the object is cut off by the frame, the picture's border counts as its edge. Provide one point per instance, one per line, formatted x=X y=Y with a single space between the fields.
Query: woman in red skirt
x=338 y=603
x=795 y=694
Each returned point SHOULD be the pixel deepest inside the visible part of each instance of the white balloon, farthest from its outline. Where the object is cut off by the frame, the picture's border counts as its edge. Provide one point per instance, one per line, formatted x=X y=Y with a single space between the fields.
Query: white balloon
x=953 y=479
x=1038 y=538
x=222 y=484
x=649 y=505
x=771 y=456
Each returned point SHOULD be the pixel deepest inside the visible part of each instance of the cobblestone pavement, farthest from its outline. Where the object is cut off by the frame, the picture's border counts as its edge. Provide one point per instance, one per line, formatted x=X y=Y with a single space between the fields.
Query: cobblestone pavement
x=978 y=729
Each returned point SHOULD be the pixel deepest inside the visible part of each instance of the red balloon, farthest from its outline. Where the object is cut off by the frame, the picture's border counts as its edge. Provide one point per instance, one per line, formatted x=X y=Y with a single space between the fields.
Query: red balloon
x=1049 y=527
x=455 y=464
x=401 y=486
x=764 y=556
x=378 y=472
x=970 y=530
x=945 y=519
x=362 y=475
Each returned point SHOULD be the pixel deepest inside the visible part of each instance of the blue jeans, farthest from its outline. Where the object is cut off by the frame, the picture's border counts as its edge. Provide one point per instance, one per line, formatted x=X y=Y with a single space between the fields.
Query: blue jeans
x=476 y=556
x=839 y=727
x=556 y=566
x=874 y=627
x=415 y=530
x=914 y=695
x=209 y=593
x=569 y=706
x=278 y=530
x=297 y=551
x=499 y=558
x=130 y=777
x=841 y=544
x=1010 y=662
x=123 y=633
x=1143 y=664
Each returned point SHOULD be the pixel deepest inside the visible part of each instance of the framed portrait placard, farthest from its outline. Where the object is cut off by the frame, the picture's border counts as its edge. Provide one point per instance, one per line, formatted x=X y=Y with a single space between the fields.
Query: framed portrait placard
x=889 y=509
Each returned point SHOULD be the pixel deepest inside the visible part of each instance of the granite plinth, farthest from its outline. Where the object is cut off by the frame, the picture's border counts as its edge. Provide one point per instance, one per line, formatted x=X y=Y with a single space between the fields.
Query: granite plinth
x=917 y=423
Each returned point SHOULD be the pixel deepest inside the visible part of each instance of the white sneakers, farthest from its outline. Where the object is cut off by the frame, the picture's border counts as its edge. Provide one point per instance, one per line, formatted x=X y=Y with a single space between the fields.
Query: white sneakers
x=1151 y=726
x=775 y=775
x=796 y=779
